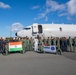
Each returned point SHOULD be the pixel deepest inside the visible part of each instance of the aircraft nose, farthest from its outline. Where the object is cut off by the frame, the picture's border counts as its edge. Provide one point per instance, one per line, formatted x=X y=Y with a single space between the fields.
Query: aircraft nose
x=16 y=33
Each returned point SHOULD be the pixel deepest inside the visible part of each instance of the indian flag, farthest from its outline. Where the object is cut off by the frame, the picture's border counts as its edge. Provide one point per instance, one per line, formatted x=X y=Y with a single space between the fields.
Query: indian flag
x=15 y=46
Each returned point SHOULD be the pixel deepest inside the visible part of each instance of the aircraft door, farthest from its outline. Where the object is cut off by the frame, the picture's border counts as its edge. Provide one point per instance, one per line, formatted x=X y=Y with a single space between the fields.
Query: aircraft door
x=34 y=29
x=40 y=29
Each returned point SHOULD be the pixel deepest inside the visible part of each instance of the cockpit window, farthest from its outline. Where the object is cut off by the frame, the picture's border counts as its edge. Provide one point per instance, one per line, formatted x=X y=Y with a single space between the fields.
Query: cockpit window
x=27 y=28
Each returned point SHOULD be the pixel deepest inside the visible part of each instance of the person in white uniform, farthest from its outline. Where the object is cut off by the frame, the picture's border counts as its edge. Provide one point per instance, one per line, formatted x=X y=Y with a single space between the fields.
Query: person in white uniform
x=35 y=44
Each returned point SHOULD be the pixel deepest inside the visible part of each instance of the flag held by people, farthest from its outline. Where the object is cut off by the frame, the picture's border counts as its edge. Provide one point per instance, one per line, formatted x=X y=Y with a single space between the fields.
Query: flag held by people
x=15 y=46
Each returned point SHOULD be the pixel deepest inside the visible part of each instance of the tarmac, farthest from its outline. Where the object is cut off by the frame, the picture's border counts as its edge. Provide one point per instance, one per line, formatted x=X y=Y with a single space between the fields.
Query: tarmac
x=32 y=63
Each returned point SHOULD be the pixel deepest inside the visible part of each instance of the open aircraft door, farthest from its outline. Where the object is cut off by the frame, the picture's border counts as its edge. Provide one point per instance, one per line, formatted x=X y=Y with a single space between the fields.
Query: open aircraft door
x=37 y=29
x=40 y=29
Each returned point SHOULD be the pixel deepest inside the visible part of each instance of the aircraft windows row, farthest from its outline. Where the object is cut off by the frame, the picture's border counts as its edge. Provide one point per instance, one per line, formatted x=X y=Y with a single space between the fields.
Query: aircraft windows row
x=27 y=28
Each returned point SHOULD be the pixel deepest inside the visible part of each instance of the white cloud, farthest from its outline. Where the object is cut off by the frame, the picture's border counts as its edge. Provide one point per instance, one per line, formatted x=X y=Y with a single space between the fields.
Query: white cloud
x=16 y=27
x=3 y=5
x=63 y=14
x=53 y=6
x=35 y=7
x=71 y=7
x=69 y=18
x=35 y=18
x=41 y=15
x=66 y=9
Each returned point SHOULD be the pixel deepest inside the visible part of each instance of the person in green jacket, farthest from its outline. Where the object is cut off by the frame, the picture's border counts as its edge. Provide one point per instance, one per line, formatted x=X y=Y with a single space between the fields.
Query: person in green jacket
x=31 y=44
x=40 y=45
x=54 y=41
x=58 y=47
x=49 y=41
x=27 y=44
x=24 y=44
x=70 y=44
x=44 y=41
x=7 y=47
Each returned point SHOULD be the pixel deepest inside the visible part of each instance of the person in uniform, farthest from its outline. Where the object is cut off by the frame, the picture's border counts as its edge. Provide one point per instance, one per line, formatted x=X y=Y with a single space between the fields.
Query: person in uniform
x=44 y=41
x=4 y=43
x=31 y=44
x=58 y=47
x=27 y=44
x=40 y=45
x=11 y=39
x=7 y=47
x=24 y=44
x=65 y=44
x=70 y=44
x=49 y=41
x=54 y=41
x=35 y=44
x=20 y=39
x=62 y=44
x=1 y=46
x=16 y=39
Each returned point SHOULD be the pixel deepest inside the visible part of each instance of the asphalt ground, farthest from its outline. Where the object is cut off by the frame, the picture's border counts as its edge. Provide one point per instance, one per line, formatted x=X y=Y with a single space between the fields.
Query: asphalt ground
x=32 y=63
x=70 y=55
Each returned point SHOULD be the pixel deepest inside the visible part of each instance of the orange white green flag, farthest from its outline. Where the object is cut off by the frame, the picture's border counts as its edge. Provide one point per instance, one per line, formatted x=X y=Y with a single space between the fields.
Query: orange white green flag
x=15 y=46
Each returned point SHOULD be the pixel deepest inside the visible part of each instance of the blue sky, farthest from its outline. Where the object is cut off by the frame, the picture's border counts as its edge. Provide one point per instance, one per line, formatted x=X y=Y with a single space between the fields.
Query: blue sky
x=21 y=13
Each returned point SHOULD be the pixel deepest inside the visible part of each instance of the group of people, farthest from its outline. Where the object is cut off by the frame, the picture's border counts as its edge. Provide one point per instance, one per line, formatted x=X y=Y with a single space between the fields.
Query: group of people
x=62 y=44
x=37 y=43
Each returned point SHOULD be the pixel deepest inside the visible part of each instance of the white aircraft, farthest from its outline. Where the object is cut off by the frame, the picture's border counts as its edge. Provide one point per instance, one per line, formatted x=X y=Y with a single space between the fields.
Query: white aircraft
x=48 y=30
